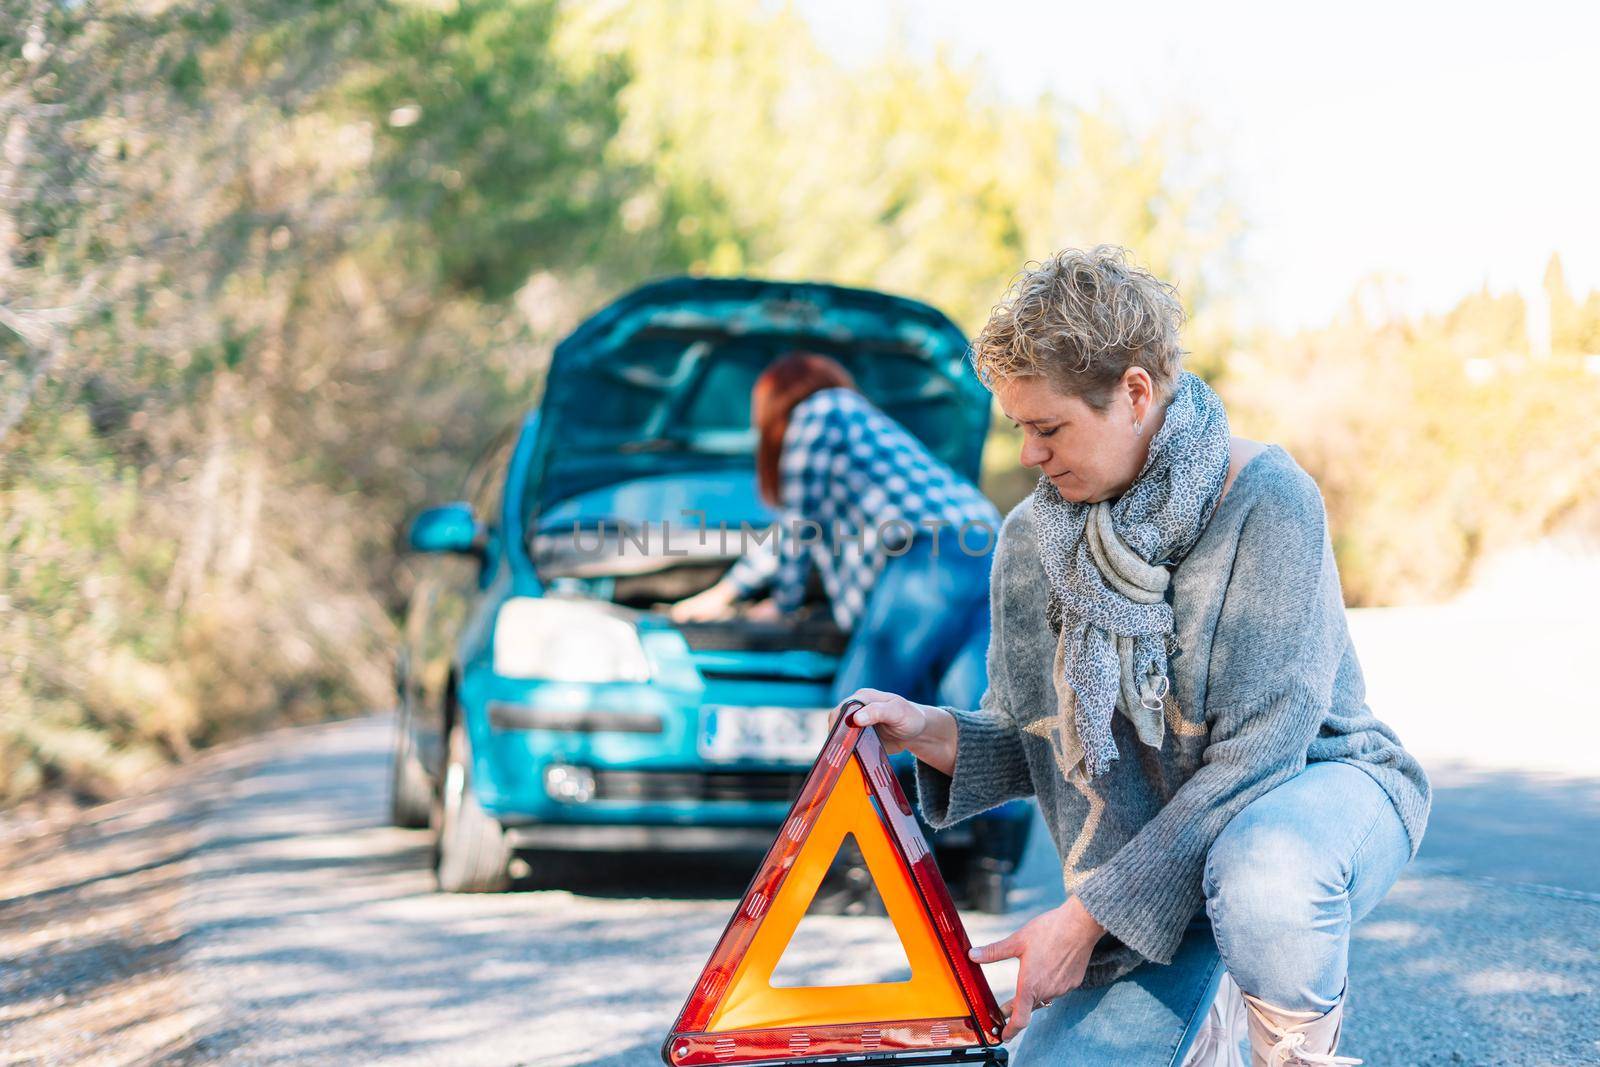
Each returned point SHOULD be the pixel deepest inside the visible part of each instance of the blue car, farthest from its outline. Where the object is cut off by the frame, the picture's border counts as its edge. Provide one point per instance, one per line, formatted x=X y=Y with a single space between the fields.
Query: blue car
x=548 y=704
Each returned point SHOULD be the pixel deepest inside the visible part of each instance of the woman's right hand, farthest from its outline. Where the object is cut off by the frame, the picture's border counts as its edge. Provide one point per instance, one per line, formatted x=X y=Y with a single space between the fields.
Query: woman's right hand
x=928 y=732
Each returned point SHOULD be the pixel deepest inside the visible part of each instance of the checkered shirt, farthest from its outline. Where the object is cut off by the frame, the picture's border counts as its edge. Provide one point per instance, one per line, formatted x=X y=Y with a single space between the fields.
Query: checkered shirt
x=865 y=482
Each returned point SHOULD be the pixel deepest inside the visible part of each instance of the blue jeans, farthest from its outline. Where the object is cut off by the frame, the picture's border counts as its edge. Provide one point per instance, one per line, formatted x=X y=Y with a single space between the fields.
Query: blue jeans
x=924 y=635
x=1284 y=882
x=924 y=631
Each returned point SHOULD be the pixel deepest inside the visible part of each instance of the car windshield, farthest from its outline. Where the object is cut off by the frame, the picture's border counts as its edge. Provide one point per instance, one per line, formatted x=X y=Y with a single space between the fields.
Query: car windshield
x=669 y=390
x=672 y=389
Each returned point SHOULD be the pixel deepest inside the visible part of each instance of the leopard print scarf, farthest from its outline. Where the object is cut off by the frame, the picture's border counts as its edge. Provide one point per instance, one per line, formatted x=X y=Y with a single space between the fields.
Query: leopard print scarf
x=1107 y=568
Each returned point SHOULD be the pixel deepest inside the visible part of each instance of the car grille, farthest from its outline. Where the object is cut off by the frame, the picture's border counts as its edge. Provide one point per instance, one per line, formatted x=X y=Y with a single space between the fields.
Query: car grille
x=754 y=672
x=646 y=786
x=816 y=635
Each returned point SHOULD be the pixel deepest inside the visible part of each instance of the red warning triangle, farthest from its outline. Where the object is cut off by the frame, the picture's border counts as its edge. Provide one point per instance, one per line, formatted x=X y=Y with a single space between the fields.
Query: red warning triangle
x=735 y=1015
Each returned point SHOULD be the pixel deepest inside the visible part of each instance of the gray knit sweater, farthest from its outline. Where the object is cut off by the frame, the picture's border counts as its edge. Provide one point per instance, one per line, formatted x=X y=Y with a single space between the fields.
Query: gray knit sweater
x=1264 y=680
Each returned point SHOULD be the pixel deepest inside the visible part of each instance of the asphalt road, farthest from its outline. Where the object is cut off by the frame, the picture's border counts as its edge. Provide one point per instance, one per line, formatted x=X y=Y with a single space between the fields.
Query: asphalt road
x=257 y=909
x=316 y=935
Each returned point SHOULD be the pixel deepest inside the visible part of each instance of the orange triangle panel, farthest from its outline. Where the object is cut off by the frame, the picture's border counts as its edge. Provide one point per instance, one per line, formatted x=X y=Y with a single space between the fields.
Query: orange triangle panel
x=735 y=1015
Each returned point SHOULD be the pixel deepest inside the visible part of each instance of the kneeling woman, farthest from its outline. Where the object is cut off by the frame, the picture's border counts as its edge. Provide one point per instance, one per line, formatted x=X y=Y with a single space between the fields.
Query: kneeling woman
x=1172 y=676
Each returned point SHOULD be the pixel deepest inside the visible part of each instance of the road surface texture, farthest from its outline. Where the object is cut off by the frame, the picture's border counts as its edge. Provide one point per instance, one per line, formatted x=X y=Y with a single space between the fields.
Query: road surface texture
x=258 y=910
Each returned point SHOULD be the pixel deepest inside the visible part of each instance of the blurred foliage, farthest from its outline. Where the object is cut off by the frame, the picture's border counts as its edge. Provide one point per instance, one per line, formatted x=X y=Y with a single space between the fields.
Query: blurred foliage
x=904 y=175
x=1439 y=440
x=493 y=144
x=271 y=273
x=242 y=341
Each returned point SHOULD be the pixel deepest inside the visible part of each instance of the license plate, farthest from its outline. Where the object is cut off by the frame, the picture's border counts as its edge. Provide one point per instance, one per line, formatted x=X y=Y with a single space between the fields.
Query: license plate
x=769 y=734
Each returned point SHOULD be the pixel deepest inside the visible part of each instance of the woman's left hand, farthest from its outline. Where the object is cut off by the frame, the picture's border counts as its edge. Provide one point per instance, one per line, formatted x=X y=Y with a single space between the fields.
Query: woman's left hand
x=1053 y=950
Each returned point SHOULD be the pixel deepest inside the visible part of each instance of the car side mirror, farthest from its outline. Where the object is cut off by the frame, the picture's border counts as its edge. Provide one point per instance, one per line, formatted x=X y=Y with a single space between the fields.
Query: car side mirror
x=446 y=528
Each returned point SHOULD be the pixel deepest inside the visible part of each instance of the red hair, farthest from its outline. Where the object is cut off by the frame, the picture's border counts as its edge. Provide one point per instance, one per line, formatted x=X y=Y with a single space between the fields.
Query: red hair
x=789 y=380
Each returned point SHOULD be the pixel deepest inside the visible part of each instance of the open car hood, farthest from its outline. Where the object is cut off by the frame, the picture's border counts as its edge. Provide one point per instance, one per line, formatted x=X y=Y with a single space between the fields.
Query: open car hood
x=658 y=383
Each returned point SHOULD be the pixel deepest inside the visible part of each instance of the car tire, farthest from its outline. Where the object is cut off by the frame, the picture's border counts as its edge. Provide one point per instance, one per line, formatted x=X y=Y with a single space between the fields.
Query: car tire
x=987 y=889
x=847 y=888
x=471 y=854
x=410 y=794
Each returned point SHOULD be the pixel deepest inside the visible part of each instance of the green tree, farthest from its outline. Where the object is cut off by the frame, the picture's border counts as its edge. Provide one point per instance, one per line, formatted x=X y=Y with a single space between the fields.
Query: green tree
x=906 y=174
x=229 y=370
x=271 y=271
x=491 y=148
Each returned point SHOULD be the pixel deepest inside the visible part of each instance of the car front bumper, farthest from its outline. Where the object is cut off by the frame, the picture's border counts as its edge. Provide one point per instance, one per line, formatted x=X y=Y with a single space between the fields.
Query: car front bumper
x=567 y=837
x=645 y=785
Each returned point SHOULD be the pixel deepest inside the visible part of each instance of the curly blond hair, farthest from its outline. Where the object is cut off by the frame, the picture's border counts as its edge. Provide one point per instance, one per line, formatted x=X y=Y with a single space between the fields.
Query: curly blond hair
x=1081 y=319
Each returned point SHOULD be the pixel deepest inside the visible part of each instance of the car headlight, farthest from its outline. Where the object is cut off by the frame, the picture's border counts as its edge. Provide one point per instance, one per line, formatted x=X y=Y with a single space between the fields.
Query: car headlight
x=566 y=641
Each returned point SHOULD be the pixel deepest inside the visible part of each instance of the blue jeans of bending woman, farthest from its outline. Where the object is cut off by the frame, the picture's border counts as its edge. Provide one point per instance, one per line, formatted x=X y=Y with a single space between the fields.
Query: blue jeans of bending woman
x=924 y=635
x=924 y=631
x=1284 y=882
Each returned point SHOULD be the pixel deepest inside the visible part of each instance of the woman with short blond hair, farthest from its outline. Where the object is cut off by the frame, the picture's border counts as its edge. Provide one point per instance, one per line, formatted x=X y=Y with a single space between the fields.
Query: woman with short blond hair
x=1171 y=675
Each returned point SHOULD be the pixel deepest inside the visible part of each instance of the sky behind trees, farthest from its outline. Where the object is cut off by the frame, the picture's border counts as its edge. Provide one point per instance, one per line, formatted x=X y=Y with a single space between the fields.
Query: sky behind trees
x=1437 y=146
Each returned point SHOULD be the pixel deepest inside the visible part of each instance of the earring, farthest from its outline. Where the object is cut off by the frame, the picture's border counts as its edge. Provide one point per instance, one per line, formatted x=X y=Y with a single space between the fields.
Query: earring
x=1138 y=427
